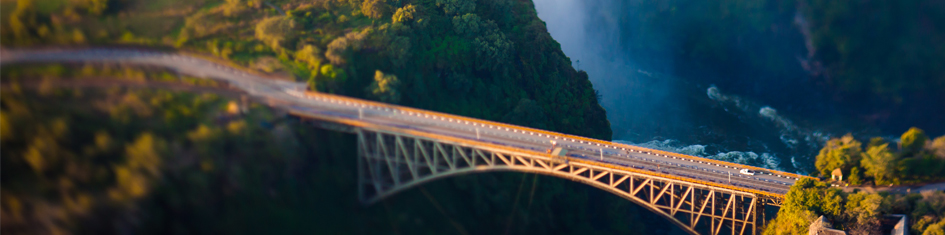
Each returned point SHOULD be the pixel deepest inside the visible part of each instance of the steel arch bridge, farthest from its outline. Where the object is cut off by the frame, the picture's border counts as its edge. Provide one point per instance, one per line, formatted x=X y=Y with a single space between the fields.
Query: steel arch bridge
x=391 y=162
x=400 y=147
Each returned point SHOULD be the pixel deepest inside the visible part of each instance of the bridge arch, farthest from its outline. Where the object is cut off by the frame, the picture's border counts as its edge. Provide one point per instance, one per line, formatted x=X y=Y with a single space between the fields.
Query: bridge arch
x=389 y=163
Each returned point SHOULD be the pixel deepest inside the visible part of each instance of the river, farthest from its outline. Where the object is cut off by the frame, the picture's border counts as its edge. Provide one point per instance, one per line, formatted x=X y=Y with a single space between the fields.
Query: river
x=777 y=120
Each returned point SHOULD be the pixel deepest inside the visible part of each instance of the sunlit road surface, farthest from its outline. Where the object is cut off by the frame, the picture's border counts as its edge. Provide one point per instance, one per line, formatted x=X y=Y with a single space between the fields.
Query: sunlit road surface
x=291 y=96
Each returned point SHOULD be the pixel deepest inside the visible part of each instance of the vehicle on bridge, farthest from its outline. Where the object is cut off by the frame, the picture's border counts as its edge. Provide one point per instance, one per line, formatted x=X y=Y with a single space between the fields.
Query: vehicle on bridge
x=559 y=152
x=747 y=172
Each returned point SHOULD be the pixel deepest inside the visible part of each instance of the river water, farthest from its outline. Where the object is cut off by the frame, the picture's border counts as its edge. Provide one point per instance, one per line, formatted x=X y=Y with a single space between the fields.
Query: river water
x=783 y=129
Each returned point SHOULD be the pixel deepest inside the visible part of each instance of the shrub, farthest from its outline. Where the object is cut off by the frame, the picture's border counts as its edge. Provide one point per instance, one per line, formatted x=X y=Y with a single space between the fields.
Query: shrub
x=374 y=9
x=274 y=31
x=310 y=55
x=404 y=14
x=385 y=87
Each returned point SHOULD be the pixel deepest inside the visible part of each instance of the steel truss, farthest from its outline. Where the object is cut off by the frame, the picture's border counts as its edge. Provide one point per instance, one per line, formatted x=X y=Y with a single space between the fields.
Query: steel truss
x=390 y=162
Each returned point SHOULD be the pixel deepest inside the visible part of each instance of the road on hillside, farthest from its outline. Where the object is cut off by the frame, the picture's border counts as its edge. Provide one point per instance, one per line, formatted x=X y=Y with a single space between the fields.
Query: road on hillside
x=290 y=95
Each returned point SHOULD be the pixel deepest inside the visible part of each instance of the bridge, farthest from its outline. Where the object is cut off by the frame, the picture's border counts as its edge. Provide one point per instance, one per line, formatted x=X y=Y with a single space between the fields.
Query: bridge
x=401 y=147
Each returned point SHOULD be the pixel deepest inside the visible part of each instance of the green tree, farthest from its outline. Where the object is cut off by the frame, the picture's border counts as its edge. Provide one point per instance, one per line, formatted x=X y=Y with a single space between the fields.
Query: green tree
x=467 y=24
x=274 y=31
x=912 y=141
x=385 y=87
x=843 y=153
x=45 y=153
x=327 y=78
x=339 y=47
x=880 y=163
x=493 y=48
x=233 y=7
x=145 y=154
x=457 y=7
x=856 y=176
x=399 y=51
x=336 y=50
x=938 y=147
x=833 y=203
x=876 y=141
x=143 y=164
x=935 y=229
x=6 y=127
x=93 y=7
x=801 y=205
x=374 y=9
x=862 y=212
x=331 y=73
x=22 y=19
x=311 y=56
x=405 y=14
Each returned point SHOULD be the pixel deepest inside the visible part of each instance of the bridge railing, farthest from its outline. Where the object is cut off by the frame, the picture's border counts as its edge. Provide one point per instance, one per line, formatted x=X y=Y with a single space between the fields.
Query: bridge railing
x=390 y=161
x=467 y=142
x=612 y=145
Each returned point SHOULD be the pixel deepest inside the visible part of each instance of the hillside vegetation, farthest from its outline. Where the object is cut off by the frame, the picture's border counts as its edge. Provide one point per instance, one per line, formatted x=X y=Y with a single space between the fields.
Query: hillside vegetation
x=491 y=59
x=98 y=148
x=916 y=160
x=856 y=213
x=97 y=159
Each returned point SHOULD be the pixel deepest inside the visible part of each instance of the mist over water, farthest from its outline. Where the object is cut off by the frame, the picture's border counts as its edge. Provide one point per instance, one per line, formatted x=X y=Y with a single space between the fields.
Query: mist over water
x=650 y=106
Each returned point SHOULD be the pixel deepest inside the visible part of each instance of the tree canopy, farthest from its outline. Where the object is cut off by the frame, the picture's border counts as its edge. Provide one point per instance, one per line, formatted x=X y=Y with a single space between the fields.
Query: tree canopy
x=918 y=160
x=843 y=153
x=385 y=87
x=913 y=140
x=457 y=7
x=880 y=163
x=274 y=31
x=404 y=14
x=856 y=212
x=374 y=9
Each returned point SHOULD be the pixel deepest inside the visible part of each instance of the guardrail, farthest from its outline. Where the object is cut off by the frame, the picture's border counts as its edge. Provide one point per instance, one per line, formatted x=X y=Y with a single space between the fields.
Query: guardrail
x=483 y=144
x=579 y=139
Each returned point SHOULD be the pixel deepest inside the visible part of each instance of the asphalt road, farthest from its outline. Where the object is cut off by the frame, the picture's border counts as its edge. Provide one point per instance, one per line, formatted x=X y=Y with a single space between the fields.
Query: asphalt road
x=289 y=95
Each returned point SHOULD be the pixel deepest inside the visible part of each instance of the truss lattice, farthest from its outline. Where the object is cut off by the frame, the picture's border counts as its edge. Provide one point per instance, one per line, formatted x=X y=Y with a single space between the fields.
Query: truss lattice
x=389 y=163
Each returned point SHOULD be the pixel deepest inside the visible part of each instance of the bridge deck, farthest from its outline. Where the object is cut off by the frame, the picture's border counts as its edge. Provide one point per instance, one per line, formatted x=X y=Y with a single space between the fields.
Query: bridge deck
x=475 y=132
x=464 y=130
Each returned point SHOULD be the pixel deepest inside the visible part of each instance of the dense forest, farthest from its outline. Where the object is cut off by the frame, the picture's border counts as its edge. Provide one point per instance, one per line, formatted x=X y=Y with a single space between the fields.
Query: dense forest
x=490 y=59
x=115 y=149
x=97 y=148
